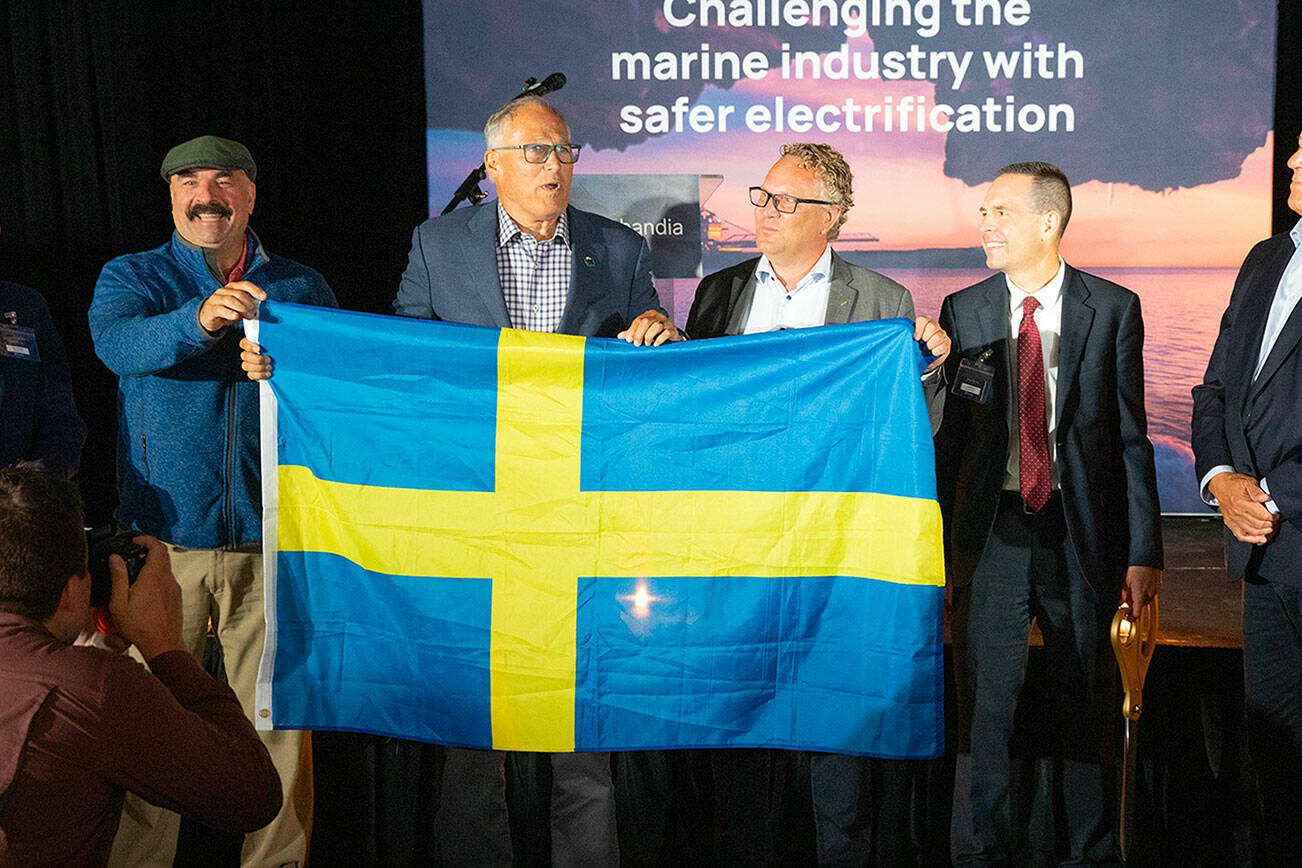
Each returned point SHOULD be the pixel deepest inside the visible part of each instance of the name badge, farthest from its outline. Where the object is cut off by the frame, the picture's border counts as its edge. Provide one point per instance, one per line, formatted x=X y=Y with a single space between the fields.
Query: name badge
x=975 y=379
x=18 y=342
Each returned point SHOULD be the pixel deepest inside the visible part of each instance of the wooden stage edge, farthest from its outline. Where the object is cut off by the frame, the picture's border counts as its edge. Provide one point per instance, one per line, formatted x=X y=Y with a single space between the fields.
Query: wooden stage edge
x=1199 y=608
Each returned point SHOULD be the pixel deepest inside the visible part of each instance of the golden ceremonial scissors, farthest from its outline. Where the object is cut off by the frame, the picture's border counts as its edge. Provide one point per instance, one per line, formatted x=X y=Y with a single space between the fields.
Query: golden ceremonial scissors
x=1134 y=638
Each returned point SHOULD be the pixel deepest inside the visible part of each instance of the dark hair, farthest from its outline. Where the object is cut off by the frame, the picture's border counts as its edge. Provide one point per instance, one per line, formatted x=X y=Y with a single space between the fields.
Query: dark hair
x=1050 y=188
x=42 y=542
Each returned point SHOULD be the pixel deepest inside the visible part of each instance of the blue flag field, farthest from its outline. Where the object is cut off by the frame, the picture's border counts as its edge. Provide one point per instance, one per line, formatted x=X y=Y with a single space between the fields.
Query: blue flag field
x=524 y=541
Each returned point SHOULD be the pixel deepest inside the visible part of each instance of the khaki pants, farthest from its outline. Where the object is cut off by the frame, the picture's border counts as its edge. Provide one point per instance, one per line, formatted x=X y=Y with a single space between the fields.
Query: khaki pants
x=227 y=587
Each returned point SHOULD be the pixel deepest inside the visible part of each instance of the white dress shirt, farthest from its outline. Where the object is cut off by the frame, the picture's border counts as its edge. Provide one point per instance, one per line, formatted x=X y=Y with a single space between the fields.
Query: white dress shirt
x=775 y=307
x=1281 y=308
x=1286 y=297
x=1048 y=319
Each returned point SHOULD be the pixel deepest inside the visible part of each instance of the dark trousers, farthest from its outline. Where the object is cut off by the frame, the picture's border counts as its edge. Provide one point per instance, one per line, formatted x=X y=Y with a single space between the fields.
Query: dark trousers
x=1027 y=570
x=862 y=810
x=761 y=813
x=1272 y=685
x=664 y=801
x=748 y=790
x=471 y=825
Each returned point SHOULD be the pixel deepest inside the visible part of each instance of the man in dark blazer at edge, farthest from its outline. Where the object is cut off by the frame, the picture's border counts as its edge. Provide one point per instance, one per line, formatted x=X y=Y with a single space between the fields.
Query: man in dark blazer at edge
x=1247 y=442
x=1048 y=493
x=801 y=282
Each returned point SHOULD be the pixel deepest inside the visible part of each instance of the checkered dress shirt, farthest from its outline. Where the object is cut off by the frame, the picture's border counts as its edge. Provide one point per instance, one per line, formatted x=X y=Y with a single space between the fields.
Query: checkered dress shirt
x=535 y=275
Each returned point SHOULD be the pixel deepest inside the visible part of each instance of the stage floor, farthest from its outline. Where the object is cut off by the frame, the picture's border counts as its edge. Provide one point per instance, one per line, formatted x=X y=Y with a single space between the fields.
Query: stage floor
x=1199 y=608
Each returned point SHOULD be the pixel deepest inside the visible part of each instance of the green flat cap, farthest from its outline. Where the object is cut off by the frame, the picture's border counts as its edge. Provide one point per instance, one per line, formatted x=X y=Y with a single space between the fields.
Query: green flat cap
x=209 y=152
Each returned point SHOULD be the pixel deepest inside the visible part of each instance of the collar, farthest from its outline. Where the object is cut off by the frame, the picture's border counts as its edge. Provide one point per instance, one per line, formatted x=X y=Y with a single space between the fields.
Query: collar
x=1296 y=234
x=822 y=269
x=194 y=260
x=508 y=229
x=1047 y=295
x=12 y=622
x=237 y=270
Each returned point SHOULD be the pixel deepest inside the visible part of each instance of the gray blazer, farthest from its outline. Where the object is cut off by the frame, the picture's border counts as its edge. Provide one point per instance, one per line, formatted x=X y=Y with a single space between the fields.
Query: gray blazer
x=724 y=300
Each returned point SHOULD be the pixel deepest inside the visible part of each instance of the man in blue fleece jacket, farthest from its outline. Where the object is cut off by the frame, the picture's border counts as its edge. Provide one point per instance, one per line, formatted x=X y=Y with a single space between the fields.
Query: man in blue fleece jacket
x=168 y=322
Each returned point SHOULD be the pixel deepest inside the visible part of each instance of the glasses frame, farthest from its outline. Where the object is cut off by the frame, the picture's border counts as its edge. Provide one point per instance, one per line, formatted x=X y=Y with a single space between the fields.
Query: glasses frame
x=773 y=197
x=551 y=149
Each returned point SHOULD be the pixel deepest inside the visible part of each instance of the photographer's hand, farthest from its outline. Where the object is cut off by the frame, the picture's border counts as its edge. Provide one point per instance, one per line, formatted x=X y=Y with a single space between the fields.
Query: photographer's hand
x=148 y=613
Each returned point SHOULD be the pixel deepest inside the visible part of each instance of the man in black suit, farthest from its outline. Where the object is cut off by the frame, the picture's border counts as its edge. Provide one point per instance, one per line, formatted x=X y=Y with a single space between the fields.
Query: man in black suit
x=1247 y=441
x=1049 y=497
x=801 y=282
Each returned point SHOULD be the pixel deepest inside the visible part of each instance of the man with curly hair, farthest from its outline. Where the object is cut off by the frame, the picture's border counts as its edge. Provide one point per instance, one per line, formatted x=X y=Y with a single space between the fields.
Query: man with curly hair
x=799 y=281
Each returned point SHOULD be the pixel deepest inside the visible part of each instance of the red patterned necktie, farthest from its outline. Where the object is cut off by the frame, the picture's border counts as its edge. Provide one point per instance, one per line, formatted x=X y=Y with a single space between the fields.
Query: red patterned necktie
x=1033 y=442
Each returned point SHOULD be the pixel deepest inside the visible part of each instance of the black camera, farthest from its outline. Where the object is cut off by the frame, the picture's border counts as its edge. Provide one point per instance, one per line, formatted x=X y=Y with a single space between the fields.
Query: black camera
x=111 y=540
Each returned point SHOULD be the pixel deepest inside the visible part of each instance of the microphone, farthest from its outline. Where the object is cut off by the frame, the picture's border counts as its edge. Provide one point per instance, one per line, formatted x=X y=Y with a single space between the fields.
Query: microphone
x=553 y=82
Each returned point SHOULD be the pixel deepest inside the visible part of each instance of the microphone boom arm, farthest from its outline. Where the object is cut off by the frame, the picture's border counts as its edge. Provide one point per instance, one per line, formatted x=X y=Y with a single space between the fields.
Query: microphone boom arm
x=469 y=189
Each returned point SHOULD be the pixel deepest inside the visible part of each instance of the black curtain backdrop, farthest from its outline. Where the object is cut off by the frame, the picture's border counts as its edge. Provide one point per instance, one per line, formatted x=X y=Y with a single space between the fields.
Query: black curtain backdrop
x=1288 y=106
x=329 y=97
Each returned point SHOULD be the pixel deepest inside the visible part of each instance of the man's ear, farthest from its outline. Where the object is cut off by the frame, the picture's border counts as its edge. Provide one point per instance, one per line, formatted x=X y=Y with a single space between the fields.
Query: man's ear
x=76 y=592
x=833 y=215
x=68 y=598
x=1052 y=220
x=73 y=610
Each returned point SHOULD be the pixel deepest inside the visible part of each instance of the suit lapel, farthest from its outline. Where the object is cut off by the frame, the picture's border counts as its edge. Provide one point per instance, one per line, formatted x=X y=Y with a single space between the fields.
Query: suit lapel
x=741 y=296
x=589 y=274
x=1259 y=311
x=1077 y=317
x=479 y=264
x=1285 y=345
x=994 y=331
x=841 y=293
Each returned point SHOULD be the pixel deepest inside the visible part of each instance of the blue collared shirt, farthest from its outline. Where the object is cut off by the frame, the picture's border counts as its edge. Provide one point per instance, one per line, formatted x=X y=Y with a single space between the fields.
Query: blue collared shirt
x=775 y=307
x=1286 y=297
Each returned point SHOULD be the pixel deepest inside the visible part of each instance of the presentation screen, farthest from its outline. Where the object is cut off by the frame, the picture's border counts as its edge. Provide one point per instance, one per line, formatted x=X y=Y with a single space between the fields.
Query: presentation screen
x=1160 y=113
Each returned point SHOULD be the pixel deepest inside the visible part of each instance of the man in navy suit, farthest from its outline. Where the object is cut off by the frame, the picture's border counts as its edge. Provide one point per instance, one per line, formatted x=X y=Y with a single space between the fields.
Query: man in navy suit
x=1047 y=486
x=530 y=261
x=579 y=273
x=527 y=261
x=1247 y=442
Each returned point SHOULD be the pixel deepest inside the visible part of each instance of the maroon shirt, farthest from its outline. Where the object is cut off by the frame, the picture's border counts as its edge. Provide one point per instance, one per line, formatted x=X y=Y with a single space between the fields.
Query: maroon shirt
x=80 y=725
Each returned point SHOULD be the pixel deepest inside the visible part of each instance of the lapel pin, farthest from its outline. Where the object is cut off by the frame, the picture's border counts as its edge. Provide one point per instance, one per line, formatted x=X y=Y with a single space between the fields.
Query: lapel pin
x=589 y=262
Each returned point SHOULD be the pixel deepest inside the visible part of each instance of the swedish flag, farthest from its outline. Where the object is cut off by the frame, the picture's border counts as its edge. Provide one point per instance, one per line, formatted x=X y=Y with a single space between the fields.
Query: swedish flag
x=540 y=542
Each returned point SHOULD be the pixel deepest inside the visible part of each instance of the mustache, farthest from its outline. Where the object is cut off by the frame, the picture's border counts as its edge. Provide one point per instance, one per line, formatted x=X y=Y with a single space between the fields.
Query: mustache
x=215 y=208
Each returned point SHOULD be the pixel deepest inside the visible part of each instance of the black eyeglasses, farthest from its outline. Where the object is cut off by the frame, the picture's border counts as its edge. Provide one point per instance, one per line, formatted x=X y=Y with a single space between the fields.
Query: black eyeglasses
x=759 y=197
x=566 y=152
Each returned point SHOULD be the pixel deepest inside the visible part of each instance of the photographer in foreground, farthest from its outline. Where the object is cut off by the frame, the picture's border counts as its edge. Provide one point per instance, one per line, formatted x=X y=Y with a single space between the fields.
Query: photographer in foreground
x=80 y=725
